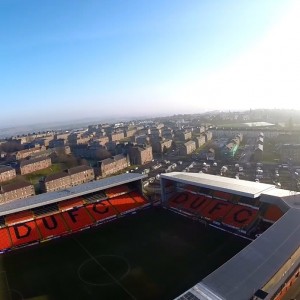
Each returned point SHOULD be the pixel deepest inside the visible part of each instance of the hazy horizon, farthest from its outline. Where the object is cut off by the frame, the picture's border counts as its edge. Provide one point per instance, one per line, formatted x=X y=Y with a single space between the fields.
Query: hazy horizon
x=67 y=60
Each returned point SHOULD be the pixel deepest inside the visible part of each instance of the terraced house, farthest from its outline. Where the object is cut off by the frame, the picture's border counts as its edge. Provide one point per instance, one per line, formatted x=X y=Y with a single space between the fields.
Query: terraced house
x=70 y=177
x=32 y=165
x=7 y=173
x=15 y=191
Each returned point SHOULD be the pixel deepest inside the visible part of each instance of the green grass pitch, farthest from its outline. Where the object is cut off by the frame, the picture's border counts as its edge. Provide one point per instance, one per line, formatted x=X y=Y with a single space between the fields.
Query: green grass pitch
x=151 y=255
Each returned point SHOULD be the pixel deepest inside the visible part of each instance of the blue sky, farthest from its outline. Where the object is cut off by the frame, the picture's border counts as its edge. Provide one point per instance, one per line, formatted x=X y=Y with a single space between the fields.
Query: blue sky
x=64 y=60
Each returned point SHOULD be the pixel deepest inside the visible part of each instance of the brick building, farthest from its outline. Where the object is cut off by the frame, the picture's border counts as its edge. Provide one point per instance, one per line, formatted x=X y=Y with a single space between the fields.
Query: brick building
x=183 y=135
x=199 y=140
x=159 y=146
x=28 y=152
x=116 y=136
x=7 y=173
x=187 y=148
x=63 y=180
x=78 y=139
x=81 y=174
x=32 y=165
x=208 y=136
x=113 y=165
x=140 y=155
x=129 y=132
x=15 y=191
x=55 y=182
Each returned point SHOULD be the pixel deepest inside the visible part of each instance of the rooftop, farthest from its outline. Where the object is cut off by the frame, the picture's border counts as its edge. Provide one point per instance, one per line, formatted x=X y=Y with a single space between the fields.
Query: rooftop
x=230 y=185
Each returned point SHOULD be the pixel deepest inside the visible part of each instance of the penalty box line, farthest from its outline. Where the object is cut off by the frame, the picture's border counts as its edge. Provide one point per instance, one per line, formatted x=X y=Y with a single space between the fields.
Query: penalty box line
x=3 y=278
x=115 y=280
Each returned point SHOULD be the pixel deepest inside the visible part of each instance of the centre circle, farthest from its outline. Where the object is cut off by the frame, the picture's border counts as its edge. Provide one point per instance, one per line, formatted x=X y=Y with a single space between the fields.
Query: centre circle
x=103 y=270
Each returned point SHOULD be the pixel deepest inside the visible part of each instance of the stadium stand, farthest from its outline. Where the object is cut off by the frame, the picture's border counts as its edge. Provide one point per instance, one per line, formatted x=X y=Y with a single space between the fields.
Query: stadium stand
x=54 y=214
x=205 y=191
x=117 y=191
x=21 y=217
x=94 y=197
x=5 y=240
x=50 y=226
x=216 y=210
x=101 y=210
x=45 y=210
x=69 y=204
x=77 y=218
x=2 y=221
x=250 y=202
x=24 y=233
x=272 y=213
x=240 y=217
x=222 y=195
x=188 y=201
x=123 y=203
x=137 y=197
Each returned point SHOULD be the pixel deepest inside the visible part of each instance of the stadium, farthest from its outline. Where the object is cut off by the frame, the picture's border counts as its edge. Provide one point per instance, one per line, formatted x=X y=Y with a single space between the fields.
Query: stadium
x=210 y=212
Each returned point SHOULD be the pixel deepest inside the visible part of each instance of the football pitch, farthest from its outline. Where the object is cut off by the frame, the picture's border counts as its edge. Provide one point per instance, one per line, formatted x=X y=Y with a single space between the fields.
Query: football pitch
x=151 y=255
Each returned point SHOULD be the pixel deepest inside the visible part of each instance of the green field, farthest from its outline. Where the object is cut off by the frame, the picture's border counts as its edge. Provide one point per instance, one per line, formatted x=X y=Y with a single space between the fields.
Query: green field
x=154 y=254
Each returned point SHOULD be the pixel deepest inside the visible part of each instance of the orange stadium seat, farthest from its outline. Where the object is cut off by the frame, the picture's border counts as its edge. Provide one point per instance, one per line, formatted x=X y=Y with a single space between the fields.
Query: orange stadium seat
x=240 y=216
x=123 y=203
x=101 y=210
x=138 y=198
x=19 y=217
x=24 y=233
x=273 y=213
x=189 y=202
x=69 y=204
x=179 y=199
x=5 y=240
x=216 y=209
x=52 y=225
x=77 y=218
x=196 y=203
x=116 y=191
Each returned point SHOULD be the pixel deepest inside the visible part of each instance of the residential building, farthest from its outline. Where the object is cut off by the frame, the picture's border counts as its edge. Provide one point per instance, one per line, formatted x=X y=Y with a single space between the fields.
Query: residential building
x=113 y=165
x=199 y=140
x=81 y=174
x=140 y=155
x=116 y=136
x=55 y=182
x=63 y=180
x=15 y=191
x=258 y=152
x=32 y=165
x=183 y=135
x=7 y=173
x=187 y=148
x=208 y=136
x=28 y=152
x=129 y=132
x=161 y=146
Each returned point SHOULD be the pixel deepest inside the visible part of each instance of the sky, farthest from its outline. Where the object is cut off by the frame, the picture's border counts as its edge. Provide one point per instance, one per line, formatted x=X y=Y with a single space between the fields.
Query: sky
x=73 y=59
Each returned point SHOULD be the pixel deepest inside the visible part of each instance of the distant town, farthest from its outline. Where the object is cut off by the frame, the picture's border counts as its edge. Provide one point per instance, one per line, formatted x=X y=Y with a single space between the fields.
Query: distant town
x=256 y=145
